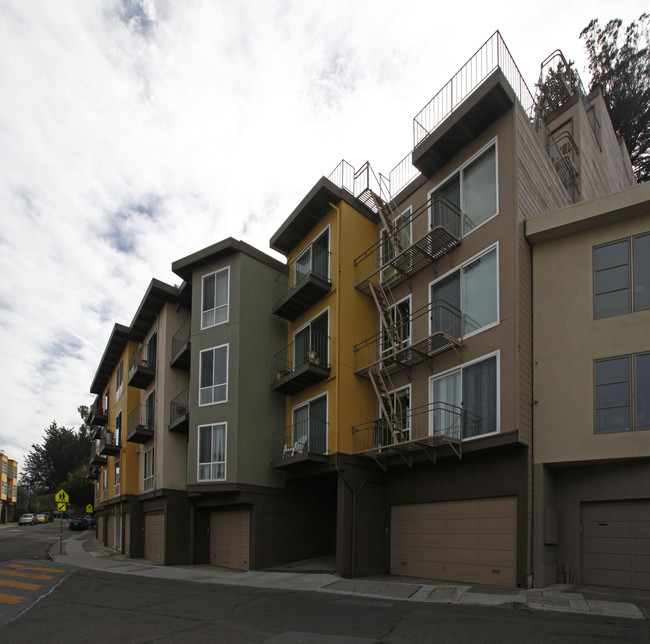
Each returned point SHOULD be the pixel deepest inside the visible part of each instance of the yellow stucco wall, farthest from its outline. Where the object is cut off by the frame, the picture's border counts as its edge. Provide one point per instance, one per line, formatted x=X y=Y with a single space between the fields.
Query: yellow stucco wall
x=352 y=318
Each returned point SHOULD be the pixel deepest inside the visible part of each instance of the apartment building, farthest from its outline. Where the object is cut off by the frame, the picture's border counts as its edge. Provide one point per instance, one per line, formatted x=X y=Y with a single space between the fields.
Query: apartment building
x=591 y=303
x=242 y=516
x=139 y=453
x=8 y=488
x=429 y=453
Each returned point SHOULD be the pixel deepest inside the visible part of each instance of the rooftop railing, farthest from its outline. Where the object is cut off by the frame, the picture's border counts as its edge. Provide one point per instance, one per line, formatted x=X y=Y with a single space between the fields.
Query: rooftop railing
x=491 y=55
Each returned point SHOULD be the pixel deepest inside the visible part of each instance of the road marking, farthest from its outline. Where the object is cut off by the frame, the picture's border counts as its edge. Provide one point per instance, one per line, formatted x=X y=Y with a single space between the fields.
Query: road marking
x=29 y=566
x=27 y=575
x=19 y=584
x=11 y=599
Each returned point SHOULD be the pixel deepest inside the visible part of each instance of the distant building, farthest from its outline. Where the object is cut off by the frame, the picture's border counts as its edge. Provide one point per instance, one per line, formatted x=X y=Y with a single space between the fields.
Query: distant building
x=9 y=488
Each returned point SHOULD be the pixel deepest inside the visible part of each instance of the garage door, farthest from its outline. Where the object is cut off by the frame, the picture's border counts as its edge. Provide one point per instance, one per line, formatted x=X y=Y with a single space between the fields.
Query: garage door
x=470 y=541
x=616 y=544
x=127 y=534
x=110 y=532
x=230 y=539
x=100 y=529
x=154 y=537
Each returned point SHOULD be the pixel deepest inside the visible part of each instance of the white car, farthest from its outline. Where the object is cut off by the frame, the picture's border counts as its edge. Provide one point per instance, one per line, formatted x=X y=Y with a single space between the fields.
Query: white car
x=27 y=519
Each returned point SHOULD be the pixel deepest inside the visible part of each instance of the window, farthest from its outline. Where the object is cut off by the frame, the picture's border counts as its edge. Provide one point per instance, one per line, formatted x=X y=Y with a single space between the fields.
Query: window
x=214 y=306
x=118 y=429
x=399 y=335
x=119 y=381
x=116 y=488
x=400 y=400
x=402 y=232
x=150 y=410
x=309 y=430
x=212 y=452
x=472 y=290
x=464 y=401
x=314 y=259
x=473 y=190
x=152 y=351
x=311 y=342
x=149 y=469
x=617 y=266
x=104 y=483
x=106 y=402
x=214 y=376
x=622 y=393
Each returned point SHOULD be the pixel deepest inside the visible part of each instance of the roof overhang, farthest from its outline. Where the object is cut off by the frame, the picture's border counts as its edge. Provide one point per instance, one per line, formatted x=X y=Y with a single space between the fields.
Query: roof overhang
x=114 y=347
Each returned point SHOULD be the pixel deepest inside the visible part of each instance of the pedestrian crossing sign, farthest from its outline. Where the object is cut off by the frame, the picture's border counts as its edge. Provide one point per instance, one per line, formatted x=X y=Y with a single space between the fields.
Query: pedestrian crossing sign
x=61 y=497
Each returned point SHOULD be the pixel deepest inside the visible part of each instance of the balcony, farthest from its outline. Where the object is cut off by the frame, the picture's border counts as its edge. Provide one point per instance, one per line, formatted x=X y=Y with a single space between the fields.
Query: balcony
x=97 y=415
x=296 y=444
x=142 y=368
x=141 y=425
x=423 y=430
x=107 y=444
x=95 y=458
x=432 y=231
x=94 y=432
x=179 y=412
x=181 y=348
x=427 y=332
x=305 y=281
x=92 y=472
x=302 y=364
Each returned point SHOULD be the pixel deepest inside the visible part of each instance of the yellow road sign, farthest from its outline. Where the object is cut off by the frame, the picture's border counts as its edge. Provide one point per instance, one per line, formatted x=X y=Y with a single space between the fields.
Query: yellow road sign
x=61 y=506
x=61 y=497
x=89 y=509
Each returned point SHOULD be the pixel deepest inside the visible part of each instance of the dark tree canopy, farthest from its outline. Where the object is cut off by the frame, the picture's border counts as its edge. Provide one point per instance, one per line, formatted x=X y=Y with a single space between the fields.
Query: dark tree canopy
x=62 y=452
x=619 y=62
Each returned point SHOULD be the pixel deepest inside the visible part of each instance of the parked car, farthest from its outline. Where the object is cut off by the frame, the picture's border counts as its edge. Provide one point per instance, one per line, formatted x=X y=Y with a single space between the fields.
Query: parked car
x=27 y=519
x=90 y=520
x=78 y=524
x=41 y=518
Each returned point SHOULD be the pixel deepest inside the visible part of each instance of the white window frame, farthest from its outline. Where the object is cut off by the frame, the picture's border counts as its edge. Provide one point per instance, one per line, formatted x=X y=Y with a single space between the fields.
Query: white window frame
x=459 y=368
x=148 y=469
x=310 y=249
x=211 y=464
x=119 y=381
x=116 y=479
x=325 y=311
x=327 y=415
x=119 y=428
x=459 y=269
x=226 y=305
x=104 y=483
x=213 y=386
x=458 y=171
x=387 y=272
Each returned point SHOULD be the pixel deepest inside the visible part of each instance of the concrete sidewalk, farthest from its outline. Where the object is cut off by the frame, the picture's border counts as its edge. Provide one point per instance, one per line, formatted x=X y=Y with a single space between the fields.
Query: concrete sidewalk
x=83 y=550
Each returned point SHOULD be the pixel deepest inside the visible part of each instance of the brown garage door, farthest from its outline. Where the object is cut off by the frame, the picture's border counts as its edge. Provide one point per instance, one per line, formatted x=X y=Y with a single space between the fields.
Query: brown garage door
x=100 y=529
x=110 y=532
x=127 y=534
x=470 y=541
x=154 y=537
x=616 y=544
x=229 y=539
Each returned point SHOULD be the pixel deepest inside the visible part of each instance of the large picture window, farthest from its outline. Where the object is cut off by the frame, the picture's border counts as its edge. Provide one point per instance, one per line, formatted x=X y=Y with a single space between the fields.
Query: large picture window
x=472 y=289
x=149 y=469
x=464 y=401
x=311 y=343
x=622 y=276
x=310 y=426
x=214 y=376
x=473 y=189
x=314 y=259
x=622 y=393
x=215 y=296
x=119 y=381
x=212 y=452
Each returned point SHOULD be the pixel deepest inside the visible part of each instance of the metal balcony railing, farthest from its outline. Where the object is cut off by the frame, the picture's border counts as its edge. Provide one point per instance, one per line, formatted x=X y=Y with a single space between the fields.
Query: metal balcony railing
x=432 y=230
x=97 y=415
x=179 y=406
x=108 y=444
x=425 y=333
x=426 y=426
x=181 y=339
x=313 y=349
x=491 y=55
x=308 y=436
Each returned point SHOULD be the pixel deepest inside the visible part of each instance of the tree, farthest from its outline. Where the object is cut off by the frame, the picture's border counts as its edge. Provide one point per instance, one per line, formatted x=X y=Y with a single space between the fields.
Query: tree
x=622 y=71
x=63 y=451
x=79 y=488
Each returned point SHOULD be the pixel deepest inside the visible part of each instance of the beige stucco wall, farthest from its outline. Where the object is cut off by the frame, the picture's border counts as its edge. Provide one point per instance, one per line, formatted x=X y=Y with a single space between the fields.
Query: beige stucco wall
x=567 y=339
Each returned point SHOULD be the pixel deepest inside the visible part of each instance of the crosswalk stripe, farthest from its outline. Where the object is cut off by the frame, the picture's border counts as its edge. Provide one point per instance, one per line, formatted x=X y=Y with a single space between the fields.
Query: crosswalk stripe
x=19 y=584
x=26 y=575
x=30 y=567
x=11 y=599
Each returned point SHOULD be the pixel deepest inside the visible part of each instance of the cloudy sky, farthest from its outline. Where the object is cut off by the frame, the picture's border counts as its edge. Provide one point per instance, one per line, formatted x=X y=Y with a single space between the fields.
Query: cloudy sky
x=134 y=132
